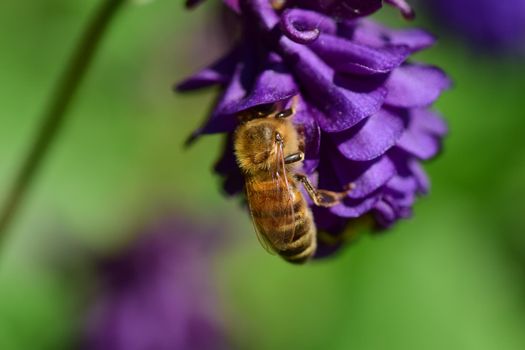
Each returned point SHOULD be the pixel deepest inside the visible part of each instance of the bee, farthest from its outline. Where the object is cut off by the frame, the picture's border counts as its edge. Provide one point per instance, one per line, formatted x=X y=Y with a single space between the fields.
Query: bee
x=267 y=149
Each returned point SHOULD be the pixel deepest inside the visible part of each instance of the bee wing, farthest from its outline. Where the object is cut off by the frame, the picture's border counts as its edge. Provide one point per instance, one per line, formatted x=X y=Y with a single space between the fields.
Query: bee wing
x=261 y=237
x=286 y=214
x=275 y=222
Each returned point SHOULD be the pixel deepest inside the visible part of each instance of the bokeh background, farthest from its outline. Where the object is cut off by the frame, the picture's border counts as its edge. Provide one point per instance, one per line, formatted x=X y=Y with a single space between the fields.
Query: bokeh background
x=453 y=277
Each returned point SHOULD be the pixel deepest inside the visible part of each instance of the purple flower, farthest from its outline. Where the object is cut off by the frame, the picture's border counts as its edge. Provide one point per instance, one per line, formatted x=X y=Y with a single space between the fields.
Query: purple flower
x=159 y=294
x=493 y=24
x=363 y=108
x=347 y=9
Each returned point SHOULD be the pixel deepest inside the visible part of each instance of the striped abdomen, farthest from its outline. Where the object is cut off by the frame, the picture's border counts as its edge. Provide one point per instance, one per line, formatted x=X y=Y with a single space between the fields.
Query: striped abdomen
x=282 y=217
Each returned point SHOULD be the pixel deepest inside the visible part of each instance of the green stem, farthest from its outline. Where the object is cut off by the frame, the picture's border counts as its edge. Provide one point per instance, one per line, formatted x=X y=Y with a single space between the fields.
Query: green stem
x=54 y=115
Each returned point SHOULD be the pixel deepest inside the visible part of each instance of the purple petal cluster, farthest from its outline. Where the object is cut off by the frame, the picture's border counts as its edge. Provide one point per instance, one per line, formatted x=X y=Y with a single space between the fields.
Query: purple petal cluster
x=363 y=107
x=347 y=9
x=492 y=24
x=159 y=294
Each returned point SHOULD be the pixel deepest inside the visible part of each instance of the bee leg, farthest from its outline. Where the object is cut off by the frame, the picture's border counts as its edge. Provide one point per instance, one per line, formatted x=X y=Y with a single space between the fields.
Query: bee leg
x=322 y=198
x=294 y=157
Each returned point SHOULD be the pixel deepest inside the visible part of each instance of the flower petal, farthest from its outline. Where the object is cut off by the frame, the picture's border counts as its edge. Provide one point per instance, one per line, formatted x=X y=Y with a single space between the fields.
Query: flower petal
x=305 y=120
x=304 y=26
x=348 y=8
x=219 y=72
x=419 y=144
x=387 y=211
x=401 y=190
x=402 y=200
x=350 y=207
x=421 y=138
x=350 y=57
x=384 y=214
x=430 y=121
x=353 y=208
x=402 y=211
x=367 y=177
x=420 y=176
x=345 y=100
x=219 y=121
x=375 y=176
x=402 y=184
x=415 y=85
x=371 y=33
x=376 y=136
x=272 y=85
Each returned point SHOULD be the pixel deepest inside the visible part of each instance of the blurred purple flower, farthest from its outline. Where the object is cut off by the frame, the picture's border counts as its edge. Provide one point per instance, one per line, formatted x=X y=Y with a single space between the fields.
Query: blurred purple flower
x=493 y=24
x=159 y=294
x=363 y=109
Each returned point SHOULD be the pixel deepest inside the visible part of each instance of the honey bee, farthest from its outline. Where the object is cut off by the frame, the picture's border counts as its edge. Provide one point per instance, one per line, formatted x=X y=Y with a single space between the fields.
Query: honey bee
x=267 y=149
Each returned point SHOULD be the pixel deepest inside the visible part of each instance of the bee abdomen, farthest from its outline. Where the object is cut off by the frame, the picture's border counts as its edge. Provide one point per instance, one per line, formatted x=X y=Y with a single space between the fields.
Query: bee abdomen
x=304 y=245
x=274 y=215
x=280 y=211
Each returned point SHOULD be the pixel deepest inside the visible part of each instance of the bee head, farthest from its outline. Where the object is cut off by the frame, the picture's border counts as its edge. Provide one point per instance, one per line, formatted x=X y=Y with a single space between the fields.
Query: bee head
x=256 y=141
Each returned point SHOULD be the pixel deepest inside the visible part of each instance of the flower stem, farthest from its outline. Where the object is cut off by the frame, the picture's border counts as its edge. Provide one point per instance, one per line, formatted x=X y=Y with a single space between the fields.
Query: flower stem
x=54 y=115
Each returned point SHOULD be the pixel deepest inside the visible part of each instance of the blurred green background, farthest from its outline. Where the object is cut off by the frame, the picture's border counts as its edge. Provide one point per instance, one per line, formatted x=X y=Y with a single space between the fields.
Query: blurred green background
x=450 y=278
